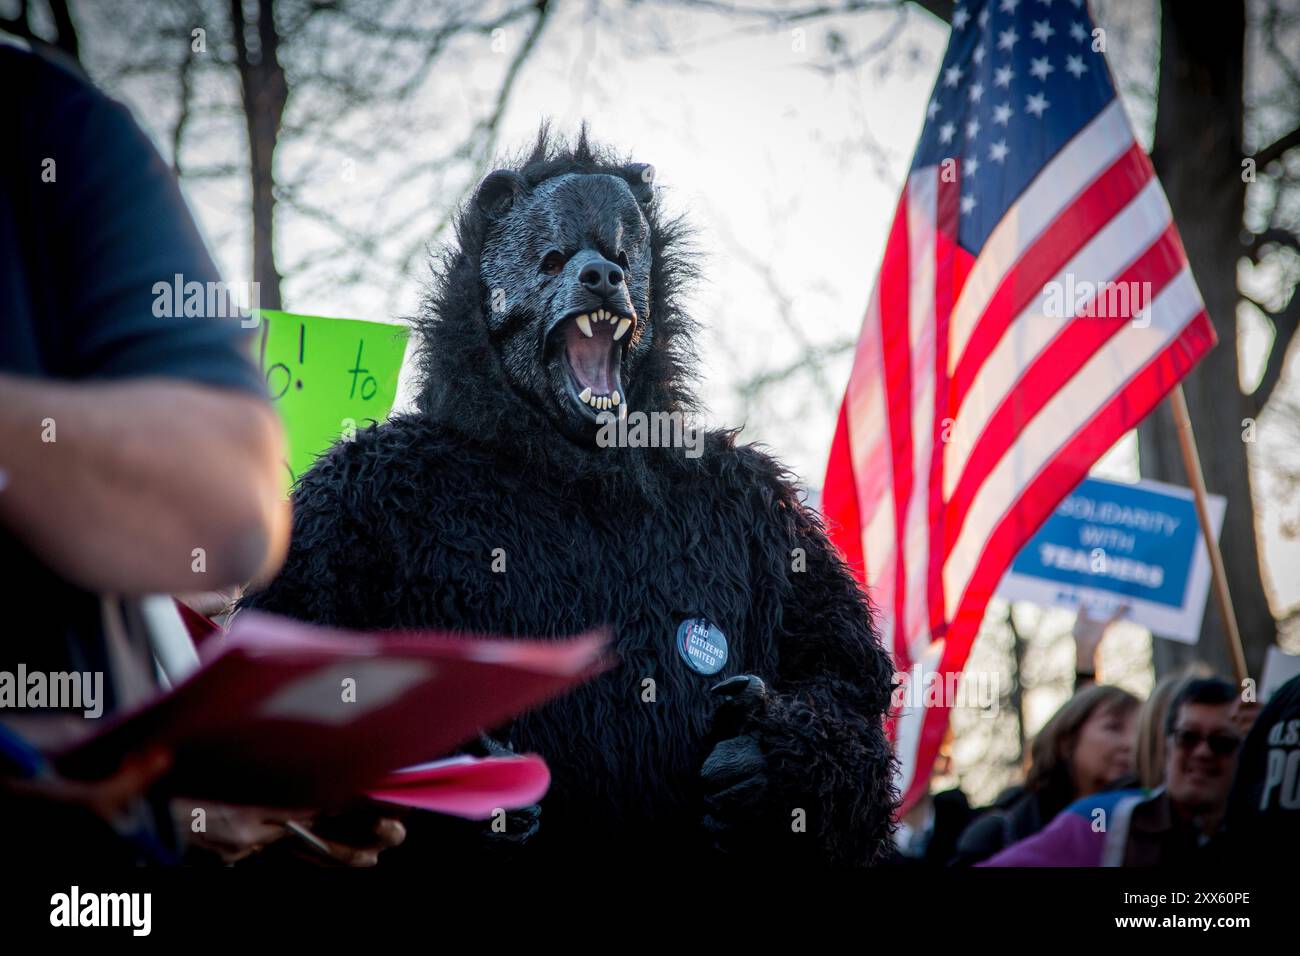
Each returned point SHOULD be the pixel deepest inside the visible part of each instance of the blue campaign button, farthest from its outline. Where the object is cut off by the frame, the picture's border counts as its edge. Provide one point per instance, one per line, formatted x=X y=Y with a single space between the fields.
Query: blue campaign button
x=702 y=645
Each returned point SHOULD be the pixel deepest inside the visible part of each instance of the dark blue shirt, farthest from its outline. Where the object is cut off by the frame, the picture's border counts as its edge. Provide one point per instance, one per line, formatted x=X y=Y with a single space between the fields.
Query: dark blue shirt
x=91 y=220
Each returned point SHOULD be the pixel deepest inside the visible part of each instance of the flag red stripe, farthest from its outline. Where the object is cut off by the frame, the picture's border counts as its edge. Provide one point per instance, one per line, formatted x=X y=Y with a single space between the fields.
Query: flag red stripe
x=840 y=498
x=895 y=280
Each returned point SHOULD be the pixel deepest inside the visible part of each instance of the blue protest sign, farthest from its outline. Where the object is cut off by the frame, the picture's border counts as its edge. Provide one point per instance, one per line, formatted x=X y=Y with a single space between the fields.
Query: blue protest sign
x=1110 y=544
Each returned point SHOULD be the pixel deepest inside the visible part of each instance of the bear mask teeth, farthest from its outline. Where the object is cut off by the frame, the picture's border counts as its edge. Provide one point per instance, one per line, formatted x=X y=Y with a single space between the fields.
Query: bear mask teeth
x=600 y=315
x=594 y=357
x=612 y=400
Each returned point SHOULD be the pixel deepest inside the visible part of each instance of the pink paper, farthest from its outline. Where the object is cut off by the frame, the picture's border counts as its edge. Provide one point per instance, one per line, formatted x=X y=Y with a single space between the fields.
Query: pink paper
x=470 y=787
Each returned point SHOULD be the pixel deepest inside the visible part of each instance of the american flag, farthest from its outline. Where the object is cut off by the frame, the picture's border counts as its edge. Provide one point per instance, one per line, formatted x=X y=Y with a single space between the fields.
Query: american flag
x=989 y=374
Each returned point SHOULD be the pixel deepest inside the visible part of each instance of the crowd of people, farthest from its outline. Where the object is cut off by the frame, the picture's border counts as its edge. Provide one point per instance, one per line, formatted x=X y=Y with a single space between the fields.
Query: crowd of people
x=1199 y=774
x=132 y=446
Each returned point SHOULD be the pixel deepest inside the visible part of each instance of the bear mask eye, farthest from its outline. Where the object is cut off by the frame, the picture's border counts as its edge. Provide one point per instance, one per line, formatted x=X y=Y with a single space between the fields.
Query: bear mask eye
x=622 y=261
x=553 y=262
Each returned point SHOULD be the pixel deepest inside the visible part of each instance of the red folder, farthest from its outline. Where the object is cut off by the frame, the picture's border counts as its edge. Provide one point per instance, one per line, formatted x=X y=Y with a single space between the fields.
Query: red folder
x=470 y=787
x=292 y=715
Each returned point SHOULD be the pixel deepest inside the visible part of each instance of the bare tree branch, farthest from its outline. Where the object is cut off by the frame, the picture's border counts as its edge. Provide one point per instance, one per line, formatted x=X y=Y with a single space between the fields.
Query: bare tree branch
x=1285 y=322
x=487 y=129
x=943 y=9
x=812 y=359
x=184 y=94
x=1272 y=236
x=778 y=15
x=64 y=29
x=851 y=60
x=1276 y=149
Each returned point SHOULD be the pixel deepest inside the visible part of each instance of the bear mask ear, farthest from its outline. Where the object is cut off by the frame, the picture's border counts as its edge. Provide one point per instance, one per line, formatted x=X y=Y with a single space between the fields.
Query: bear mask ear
x=641 y=179
x=498 y=193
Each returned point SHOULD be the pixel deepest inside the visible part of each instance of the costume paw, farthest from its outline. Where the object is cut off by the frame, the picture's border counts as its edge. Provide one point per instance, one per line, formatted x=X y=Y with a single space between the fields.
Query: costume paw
x=734 y=775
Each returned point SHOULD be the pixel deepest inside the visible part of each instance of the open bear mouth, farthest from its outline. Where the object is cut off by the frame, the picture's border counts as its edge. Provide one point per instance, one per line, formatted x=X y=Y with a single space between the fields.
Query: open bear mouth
x=595 y=358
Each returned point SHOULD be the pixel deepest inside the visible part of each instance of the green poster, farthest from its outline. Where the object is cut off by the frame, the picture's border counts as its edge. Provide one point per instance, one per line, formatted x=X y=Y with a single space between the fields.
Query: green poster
x=328 y=377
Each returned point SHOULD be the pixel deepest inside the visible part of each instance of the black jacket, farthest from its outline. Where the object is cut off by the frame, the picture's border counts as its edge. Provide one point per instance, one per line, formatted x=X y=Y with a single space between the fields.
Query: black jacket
x=1016 y=814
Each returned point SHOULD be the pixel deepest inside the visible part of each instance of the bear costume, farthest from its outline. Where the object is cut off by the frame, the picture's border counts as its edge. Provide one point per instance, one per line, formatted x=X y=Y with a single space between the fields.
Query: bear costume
x=549 y=481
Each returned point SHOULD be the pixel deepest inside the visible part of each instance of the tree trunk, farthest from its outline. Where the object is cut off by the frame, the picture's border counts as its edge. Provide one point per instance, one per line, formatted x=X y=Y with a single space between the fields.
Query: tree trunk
x=265 y=93
x=65 y=29
x=1197 y=154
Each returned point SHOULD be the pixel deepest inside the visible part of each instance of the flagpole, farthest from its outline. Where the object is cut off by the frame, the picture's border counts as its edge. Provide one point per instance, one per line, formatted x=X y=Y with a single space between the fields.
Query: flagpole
x=1192 y=463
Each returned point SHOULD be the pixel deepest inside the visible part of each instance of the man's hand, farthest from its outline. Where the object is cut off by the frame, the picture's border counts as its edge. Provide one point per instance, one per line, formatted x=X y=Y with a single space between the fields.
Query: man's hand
x=143 y=486
x=1088 y=633
x=237 y=832
x=386 y=833
x=234 y=832
x=1244 y=715
x=107 y=798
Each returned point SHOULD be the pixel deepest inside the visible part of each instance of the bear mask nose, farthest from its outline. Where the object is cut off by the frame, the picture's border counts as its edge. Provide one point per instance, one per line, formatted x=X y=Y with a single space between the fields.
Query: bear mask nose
x=602 y=278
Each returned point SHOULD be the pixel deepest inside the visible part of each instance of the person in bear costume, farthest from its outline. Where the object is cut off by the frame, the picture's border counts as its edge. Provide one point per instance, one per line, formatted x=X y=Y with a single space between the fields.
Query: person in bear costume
x=745 y=713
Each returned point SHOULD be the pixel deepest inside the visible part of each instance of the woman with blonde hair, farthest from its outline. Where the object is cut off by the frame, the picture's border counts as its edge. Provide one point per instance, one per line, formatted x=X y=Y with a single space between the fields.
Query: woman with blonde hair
x=1150 y=756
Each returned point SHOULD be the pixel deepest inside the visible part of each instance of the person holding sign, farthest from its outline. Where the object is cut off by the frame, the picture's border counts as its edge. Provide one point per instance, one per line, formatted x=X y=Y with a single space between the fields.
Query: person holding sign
x=1088 y=632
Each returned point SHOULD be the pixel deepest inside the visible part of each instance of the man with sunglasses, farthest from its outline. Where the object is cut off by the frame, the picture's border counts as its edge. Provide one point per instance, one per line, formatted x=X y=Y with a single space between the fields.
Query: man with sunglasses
x=1177 y=824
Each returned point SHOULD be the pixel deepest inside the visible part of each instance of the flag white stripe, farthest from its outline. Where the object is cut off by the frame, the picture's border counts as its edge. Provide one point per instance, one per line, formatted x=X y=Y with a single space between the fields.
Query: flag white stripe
x=868 y=417
x=922 y=190
x=873 y=467
x=878 y=546
x=911 y=720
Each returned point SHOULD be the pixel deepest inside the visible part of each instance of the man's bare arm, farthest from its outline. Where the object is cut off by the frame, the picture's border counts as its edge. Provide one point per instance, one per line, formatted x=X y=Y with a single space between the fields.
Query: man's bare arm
x=139 y=475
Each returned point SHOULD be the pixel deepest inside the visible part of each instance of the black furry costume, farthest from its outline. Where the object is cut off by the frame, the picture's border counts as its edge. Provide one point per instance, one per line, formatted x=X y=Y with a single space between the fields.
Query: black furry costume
x=399 y=528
